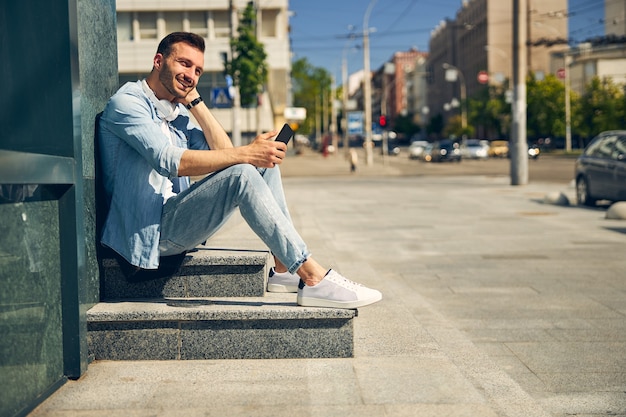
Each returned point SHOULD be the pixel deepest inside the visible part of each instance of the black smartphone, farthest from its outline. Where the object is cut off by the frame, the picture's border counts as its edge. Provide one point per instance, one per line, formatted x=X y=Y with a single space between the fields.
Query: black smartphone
x=285 y=134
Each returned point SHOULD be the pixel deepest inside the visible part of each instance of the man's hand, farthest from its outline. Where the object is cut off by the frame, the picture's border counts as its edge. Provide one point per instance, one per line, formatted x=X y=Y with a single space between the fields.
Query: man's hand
x=193 y=94
x=264 y=152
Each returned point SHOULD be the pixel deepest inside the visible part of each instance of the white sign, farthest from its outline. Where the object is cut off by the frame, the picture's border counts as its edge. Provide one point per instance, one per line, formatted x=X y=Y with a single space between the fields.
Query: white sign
x=296 y=114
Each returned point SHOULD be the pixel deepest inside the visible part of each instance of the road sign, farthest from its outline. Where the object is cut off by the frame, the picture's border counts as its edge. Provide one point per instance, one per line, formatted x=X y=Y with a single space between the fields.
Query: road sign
x=560 y=73
x=355 y=123
x=220 y=98
x=297 y=114
x=483 y=77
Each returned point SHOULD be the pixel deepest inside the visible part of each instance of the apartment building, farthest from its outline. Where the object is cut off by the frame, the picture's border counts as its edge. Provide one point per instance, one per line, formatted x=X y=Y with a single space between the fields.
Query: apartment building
x=615 y=18
x=395 y=85
x=141 y=24
x=480 y=40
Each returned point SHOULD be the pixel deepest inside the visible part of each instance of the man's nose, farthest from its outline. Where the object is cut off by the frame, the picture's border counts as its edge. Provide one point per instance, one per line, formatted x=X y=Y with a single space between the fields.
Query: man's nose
x=190 y=75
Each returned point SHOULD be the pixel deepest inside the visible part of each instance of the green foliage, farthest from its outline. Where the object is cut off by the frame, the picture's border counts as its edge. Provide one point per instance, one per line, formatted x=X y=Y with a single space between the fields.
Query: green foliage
x=405 y=126
x=435 y=126
x=545 y=100
x=602 y=107
x=310 y=85
x=248 y=67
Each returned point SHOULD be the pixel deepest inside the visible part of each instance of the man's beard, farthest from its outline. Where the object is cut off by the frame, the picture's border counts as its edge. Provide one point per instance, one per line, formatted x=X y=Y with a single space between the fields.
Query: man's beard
x=167 y=79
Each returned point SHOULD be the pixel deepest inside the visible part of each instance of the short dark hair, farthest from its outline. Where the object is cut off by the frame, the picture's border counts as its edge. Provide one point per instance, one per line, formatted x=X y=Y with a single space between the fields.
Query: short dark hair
x=165 y=46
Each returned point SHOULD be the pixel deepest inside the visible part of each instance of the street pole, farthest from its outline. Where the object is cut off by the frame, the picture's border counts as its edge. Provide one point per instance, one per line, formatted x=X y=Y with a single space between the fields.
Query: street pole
x=236 y=120
x=568 y=112
x=344 y=119
x=367 y=84
x=518 y=147
x=333 y=115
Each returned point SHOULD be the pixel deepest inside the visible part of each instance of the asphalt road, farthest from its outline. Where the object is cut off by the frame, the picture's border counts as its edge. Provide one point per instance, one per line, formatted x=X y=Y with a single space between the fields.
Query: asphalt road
x=546 y=168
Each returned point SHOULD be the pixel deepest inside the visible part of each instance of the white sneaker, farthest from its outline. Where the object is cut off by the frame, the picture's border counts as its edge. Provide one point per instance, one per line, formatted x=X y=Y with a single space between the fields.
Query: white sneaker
x=336 y=291
x=282 y=282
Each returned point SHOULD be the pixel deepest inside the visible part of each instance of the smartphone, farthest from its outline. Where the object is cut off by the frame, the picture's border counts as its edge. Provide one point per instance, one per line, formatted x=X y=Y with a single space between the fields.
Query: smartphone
x=285 y=134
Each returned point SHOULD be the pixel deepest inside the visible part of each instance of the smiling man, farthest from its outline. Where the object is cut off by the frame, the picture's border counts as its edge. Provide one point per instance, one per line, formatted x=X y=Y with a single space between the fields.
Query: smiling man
x=149 y=148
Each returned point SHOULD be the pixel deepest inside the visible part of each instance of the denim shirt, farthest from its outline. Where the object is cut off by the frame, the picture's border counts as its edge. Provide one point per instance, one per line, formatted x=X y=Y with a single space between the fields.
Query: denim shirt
x=137 y=159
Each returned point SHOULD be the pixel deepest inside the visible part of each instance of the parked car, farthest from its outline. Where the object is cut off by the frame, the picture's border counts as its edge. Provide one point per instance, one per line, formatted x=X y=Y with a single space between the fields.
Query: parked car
x=416 y=149
x=474 y=149
x=446 y=150
x=499 y=148
x=601 y=169
x=392 y=148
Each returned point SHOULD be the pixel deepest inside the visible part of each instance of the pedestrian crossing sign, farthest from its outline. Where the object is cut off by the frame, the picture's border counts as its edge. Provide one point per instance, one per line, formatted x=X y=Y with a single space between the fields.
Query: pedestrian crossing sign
x=220 y=98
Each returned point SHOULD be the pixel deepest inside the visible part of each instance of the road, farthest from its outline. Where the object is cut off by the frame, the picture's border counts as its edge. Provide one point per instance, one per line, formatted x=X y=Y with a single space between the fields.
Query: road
x=546 y=168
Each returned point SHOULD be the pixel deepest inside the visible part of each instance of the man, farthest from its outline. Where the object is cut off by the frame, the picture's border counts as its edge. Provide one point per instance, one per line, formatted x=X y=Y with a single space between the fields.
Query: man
x=148 y=150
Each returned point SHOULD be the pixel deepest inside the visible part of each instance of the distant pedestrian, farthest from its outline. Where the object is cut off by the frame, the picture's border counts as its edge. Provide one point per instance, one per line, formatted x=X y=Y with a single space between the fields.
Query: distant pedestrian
x=353 y=157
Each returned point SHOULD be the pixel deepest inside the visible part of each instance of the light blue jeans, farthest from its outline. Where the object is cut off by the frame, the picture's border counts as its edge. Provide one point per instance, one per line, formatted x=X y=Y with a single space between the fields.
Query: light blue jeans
x=194 y=215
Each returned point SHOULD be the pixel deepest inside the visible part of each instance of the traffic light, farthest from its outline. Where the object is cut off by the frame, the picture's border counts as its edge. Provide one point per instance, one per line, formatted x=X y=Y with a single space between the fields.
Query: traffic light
x=382 y=120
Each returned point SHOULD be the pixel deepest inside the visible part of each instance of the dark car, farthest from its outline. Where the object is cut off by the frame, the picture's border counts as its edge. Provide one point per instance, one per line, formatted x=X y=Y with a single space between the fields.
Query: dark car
x=601 y=169
x=446 y=150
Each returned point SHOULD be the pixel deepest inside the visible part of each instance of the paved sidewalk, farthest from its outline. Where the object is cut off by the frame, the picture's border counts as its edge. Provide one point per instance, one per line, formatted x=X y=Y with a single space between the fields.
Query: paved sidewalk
x=495 y=304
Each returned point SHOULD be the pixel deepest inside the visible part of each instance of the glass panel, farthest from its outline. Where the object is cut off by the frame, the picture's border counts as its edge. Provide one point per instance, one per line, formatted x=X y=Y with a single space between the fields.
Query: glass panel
x=198 y=23
x=268 y=23
x=31 y=346
x=173 y=21
x=147 y=25
x=124 y=26
x=605 y=147
x=620 y=148
x=221 y=23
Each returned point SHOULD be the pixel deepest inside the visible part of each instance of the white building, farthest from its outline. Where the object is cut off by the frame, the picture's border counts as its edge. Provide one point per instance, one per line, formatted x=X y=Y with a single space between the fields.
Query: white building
x=141 y=24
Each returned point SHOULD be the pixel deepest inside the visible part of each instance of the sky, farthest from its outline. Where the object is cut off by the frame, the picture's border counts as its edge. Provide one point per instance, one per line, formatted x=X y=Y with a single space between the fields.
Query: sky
x=320 y=29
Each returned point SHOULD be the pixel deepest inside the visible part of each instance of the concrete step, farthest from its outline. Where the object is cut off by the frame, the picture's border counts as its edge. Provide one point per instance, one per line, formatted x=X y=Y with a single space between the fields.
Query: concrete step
x=204 y=273
x=269 y=327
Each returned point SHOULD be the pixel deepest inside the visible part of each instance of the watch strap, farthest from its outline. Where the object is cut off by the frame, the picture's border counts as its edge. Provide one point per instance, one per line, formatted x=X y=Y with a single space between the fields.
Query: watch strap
x=194 y=103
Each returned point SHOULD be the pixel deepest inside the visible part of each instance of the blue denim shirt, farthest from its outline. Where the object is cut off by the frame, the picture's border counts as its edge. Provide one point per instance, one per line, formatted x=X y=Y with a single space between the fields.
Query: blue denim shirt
x=137 y=159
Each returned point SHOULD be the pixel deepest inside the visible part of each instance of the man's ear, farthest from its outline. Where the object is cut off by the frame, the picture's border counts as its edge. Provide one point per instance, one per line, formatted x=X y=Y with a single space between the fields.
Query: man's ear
x=157 y=61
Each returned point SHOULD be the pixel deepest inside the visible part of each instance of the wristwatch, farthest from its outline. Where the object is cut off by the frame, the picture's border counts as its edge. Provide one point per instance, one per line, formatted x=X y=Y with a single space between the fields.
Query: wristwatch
x=195 y=102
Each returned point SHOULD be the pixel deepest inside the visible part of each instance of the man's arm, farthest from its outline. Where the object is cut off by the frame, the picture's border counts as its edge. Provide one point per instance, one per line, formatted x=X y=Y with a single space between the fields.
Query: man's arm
x=262 y=152
x=214 y=134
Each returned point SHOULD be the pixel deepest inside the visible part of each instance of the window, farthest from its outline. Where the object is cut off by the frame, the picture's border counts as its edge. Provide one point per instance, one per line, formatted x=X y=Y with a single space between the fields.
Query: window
x=173 y=21
x=198 y=23
x=620 y=148
x=221 y=23
x=269 y=20
x=147 y=25
x=124 y=26
x=604 y=148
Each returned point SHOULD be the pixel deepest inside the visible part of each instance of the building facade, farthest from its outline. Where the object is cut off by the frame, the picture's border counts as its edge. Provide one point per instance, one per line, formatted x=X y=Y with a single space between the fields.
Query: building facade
x=480 y=41
x=142 y=24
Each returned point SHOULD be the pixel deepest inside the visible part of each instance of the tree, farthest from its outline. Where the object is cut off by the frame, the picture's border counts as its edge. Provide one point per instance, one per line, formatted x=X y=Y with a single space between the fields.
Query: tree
x=602 y=105
x=248 y=67
x=489 y=110
x=405 y=126
x=310 y=84
x=545 y=101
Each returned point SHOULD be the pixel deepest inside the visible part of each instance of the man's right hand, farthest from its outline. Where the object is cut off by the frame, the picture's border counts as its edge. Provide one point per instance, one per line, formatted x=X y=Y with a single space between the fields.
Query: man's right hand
x=265 y=152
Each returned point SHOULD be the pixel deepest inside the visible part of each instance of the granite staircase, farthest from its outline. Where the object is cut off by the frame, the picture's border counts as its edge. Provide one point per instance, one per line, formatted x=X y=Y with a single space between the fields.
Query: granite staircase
x=214 y=307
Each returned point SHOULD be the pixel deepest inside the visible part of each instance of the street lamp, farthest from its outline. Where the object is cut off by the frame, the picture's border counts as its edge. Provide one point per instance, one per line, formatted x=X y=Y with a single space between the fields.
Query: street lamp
x=452 y=73
x=367 y=84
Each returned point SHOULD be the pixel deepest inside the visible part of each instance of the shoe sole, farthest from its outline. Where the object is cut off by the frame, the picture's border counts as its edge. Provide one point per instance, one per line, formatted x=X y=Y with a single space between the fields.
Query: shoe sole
x=281 y=288
x=320 y=302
